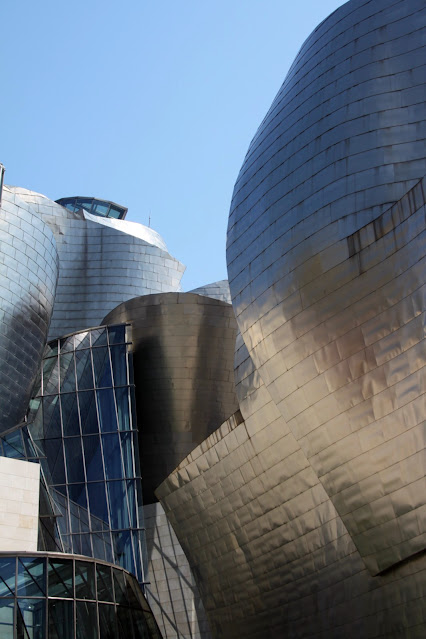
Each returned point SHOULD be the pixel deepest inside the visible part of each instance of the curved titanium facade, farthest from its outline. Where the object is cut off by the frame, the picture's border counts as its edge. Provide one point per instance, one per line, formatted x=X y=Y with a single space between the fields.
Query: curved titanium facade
x=82 y=421
x=183 y=350
x=28 y=275
x=70 y=597
x=103 y=262
x=216 y=290
x=325 y=257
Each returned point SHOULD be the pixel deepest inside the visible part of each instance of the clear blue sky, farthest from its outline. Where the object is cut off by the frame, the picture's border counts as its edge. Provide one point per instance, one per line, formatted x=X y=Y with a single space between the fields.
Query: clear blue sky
x=151 y=104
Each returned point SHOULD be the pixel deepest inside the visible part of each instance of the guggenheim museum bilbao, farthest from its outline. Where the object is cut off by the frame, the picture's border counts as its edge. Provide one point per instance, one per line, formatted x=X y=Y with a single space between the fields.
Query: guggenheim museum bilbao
x=243 y=460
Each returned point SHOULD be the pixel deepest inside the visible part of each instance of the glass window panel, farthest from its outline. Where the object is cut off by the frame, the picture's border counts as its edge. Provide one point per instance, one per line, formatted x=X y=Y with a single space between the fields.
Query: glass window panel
x=51 y=417
x=52 y=348
x=123 y=551
x=102 y=367
x=83 y=363
x=104 y=580
x=84 y=203
x=107 y=621
x=30 y=619
x=122 y=399
x=67 y=373
x=28 y=444
x=82 y=340
x=98 y=506
x=139 y=546
x=119 y=586
x=82 y=544
x=87 y=623
x=125 y=623
x=119 y=364
x=88 y=414
x=118 y=505
x=13 y=446
x=131 y=494
x=66 y=344
x=127 y=454
x=61 y=619
x=100 y=208
x=31 y=577
x=34 y=405
x=6 y=618
x=77 y=494
x=106 y=408
x=131 y=597
x=93 y=457
x=84 y=580
x=70 y=420
x=55 y=460
x=112 y=456
x=139 y=624
x=115 y=212
x=50 y=380
x=99 y=337
x=60 y=578
x=74 y=456
x=116 y=334
x=7 y=576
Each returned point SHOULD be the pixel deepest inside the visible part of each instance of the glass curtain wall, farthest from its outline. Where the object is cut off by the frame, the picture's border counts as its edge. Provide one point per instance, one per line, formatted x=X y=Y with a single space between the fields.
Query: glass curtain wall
x=82 y=424
x=56 y=597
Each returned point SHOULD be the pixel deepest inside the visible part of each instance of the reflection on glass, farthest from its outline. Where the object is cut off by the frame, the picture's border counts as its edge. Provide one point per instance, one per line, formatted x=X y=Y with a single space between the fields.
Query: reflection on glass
x=31 y=577
x=84 y=580
x=60 y=578
x=106 y=407
x=118 y=358
x=30 y=619
x=88 y=414
x=122 y=399
x=107 y=621
x=112 y=456
x=103 y=574
x=118 y=505
x=61 y=619
x=93 y=457
x=7 y=576
x=70 y=420
x=102 y=367
x=74 y=455
x=86 y=622
x=6 y=618
x=83 y=363
x=116 y=334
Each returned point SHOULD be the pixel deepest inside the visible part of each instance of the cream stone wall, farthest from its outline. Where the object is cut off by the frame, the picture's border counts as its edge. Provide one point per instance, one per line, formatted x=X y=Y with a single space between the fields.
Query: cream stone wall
x=19 y=504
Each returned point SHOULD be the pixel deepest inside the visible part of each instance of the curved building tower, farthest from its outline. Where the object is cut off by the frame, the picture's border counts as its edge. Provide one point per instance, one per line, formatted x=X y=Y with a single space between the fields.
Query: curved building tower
x=28 y=276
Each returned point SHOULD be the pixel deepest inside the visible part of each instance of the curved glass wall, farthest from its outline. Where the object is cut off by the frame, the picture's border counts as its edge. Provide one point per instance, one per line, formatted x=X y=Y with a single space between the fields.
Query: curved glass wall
x=55 y=596
x=82 y=427
x=92 y=205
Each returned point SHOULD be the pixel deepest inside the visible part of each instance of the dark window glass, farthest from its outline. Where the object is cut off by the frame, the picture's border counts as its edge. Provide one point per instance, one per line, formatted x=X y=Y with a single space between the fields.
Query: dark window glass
x=139 y=624
x=123 y=551
x=13 y=446
x=30 y=619
x=102 y=367
x=70 y=420
x=100 y=208
x=105 y=592
x=50 y=381
x=87 y=623
x=77 y=494
x=125 y=623
x=116 y=334
x=60 y=578
x=88 y=414
x=93 y=457
x=74 y=455
x=83 y=363
x=67 y=373
x=130 y=592
x=99 y=337
x=131 y=493
x=112 y=456
x=55 y=460
x=119 y=586
x=106 y=408
x=127 y=453
x=82 y=545
x=6 y=618
x=115 y=212
x=122 y=399
x=118 y=505
x=107 y=621
x=51 y=417
x=61 y=619
x=31 y=577
x=119 y=365
x=98 y=506
x=84 y=580
x=7 y=576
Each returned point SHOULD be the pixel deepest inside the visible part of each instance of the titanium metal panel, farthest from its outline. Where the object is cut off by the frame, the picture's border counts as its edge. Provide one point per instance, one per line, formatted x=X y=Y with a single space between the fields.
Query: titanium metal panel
x=103 y=262
x=28 y=276
x=183 y=346
x=217 y=290
x=326 y=267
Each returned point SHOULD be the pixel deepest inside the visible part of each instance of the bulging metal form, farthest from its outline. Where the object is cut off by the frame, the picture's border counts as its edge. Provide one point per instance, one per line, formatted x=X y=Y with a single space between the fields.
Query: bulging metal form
x=217 y=290
x=183 y=349
x=103 y=262
x=28 y=275
x=326 y=274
